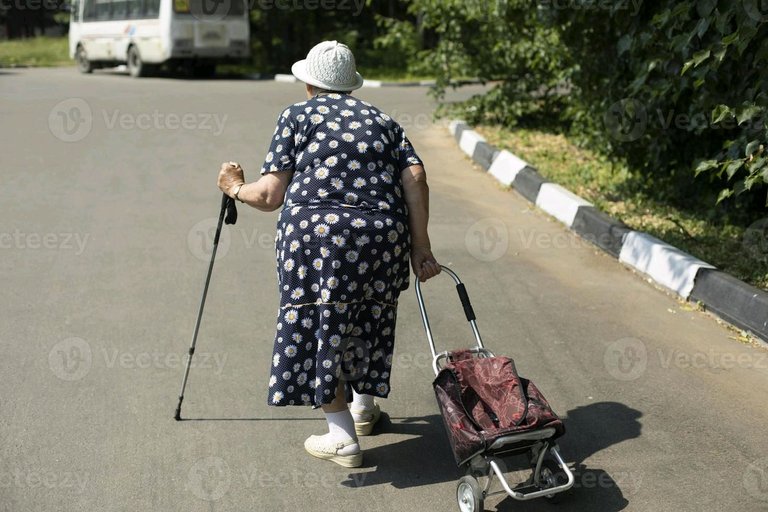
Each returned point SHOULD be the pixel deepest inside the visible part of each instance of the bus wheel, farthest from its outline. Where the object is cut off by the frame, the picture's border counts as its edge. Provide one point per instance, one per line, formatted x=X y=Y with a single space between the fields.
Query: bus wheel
x=136 y=66
x=81 y=58
x=204 y=70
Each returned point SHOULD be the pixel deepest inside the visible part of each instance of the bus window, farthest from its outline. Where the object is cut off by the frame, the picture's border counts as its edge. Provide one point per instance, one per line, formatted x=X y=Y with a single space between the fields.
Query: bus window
x=75 y=12
x=151 y=9
x=133 y=8
x=89 y=10
x=119 y=9
x=103 y=9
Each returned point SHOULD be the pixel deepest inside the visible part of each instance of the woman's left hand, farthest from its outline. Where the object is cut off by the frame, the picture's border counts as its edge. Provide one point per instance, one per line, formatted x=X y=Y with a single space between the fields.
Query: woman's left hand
x=230 y=176
x=424 y=263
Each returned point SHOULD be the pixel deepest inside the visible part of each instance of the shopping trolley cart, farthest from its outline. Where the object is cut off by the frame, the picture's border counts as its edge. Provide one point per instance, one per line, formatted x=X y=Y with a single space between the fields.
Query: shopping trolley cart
x=492 y=414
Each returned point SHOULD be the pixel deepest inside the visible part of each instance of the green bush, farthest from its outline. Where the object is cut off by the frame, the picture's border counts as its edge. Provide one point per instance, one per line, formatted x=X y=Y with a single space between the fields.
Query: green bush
x=676 y=90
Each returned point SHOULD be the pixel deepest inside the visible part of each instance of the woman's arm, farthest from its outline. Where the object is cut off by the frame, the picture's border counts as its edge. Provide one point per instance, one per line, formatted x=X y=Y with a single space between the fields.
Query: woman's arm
x=266 y=194
x=416 y=191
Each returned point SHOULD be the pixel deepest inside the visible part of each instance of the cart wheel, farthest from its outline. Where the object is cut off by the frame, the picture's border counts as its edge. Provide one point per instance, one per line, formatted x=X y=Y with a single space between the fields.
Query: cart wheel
x=469 y=495
x=551 y=476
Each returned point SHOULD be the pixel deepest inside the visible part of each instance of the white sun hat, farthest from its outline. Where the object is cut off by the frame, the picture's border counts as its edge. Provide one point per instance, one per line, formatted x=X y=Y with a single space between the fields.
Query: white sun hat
x=329 y=65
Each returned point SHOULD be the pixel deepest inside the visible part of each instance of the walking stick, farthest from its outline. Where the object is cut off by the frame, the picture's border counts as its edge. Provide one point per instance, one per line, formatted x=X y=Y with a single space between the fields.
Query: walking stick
x=228 y=207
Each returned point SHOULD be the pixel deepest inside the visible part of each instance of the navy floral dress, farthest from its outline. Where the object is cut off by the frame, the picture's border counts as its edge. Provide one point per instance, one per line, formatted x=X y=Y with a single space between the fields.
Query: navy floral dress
x=342 y=248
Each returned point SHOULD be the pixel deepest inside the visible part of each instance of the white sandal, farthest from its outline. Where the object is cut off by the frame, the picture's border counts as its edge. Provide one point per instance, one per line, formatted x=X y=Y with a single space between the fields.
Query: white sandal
x=318 y=447
x=364 y=428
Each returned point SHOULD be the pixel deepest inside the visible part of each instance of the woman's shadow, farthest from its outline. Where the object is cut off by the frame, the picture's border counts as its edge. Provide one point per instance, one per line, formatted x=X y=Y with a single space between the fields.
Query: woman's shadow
x=426 y=458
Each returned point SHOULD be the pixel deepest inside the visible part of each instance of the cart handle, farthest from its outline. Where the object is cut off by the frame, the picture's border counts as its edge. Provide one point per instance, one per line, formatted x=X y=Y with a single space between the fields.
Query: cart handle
x=468 y=311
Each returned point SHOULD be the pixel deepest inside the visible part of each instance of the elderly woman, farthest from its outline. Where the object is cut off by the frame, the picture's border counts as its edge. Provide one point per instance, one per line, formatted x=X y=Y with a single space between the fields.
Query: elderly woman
x=355 y=211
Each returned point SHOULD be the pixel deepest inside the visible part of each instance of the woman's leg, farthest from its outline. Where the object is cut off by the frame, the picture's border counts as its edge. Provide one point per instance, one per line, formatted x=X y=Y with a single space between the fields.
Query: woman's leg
x=341 y=426
x=361 y=404
x=340 y=443
x=339 y=402
x=365 y=413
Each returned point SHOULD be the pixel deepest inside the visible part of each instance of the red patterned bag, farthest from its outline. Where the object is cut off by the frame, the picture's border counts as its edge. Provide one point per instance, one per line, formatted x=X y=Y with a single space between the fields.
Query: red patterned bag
x=483 y=399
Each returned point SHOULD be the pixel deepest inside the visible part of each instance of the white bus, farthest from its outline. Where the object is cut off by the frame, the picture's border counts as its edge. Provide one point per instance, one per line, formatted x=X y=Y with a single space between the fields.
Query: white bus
x=143 y=34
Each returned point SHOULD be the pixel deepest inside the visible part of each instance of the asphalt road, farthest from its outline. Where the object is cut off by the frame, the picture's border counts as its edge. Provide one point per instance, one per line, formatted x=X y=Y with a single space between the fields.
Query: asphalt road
x=108 y=202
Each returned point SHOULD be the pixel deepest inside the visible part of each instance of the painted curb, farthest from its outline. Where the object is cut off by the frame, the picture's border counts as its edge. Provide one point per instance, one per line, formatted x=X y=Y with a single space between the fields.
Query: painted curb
x=506 y=166
x=287 y=78
x=733 y=300
x=528 y=182
x=469 y=140
x=602 y=230
x=739 y=303
x=667 y=265
x=560 y=203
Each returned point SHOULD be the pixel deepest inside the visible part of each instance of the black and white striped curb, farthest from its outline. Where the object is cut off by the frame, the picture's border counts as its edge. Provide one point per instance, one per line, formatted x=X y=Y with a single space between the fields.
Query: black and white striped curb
x=690 y=278
x=366 y=83
x=375 y=83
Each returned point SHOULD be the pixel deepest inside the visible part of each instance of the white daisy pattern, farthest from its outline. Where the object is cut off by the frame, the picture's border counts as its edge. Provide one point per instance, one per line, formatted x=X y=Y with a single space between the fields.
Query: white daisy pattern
x=342 y=247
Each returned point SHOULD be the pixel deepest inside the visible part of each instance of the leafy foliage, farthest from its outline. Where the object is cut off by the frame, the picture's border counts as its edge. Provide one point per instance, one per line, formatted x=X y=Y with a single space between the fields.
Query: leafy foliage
x=674 y=89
